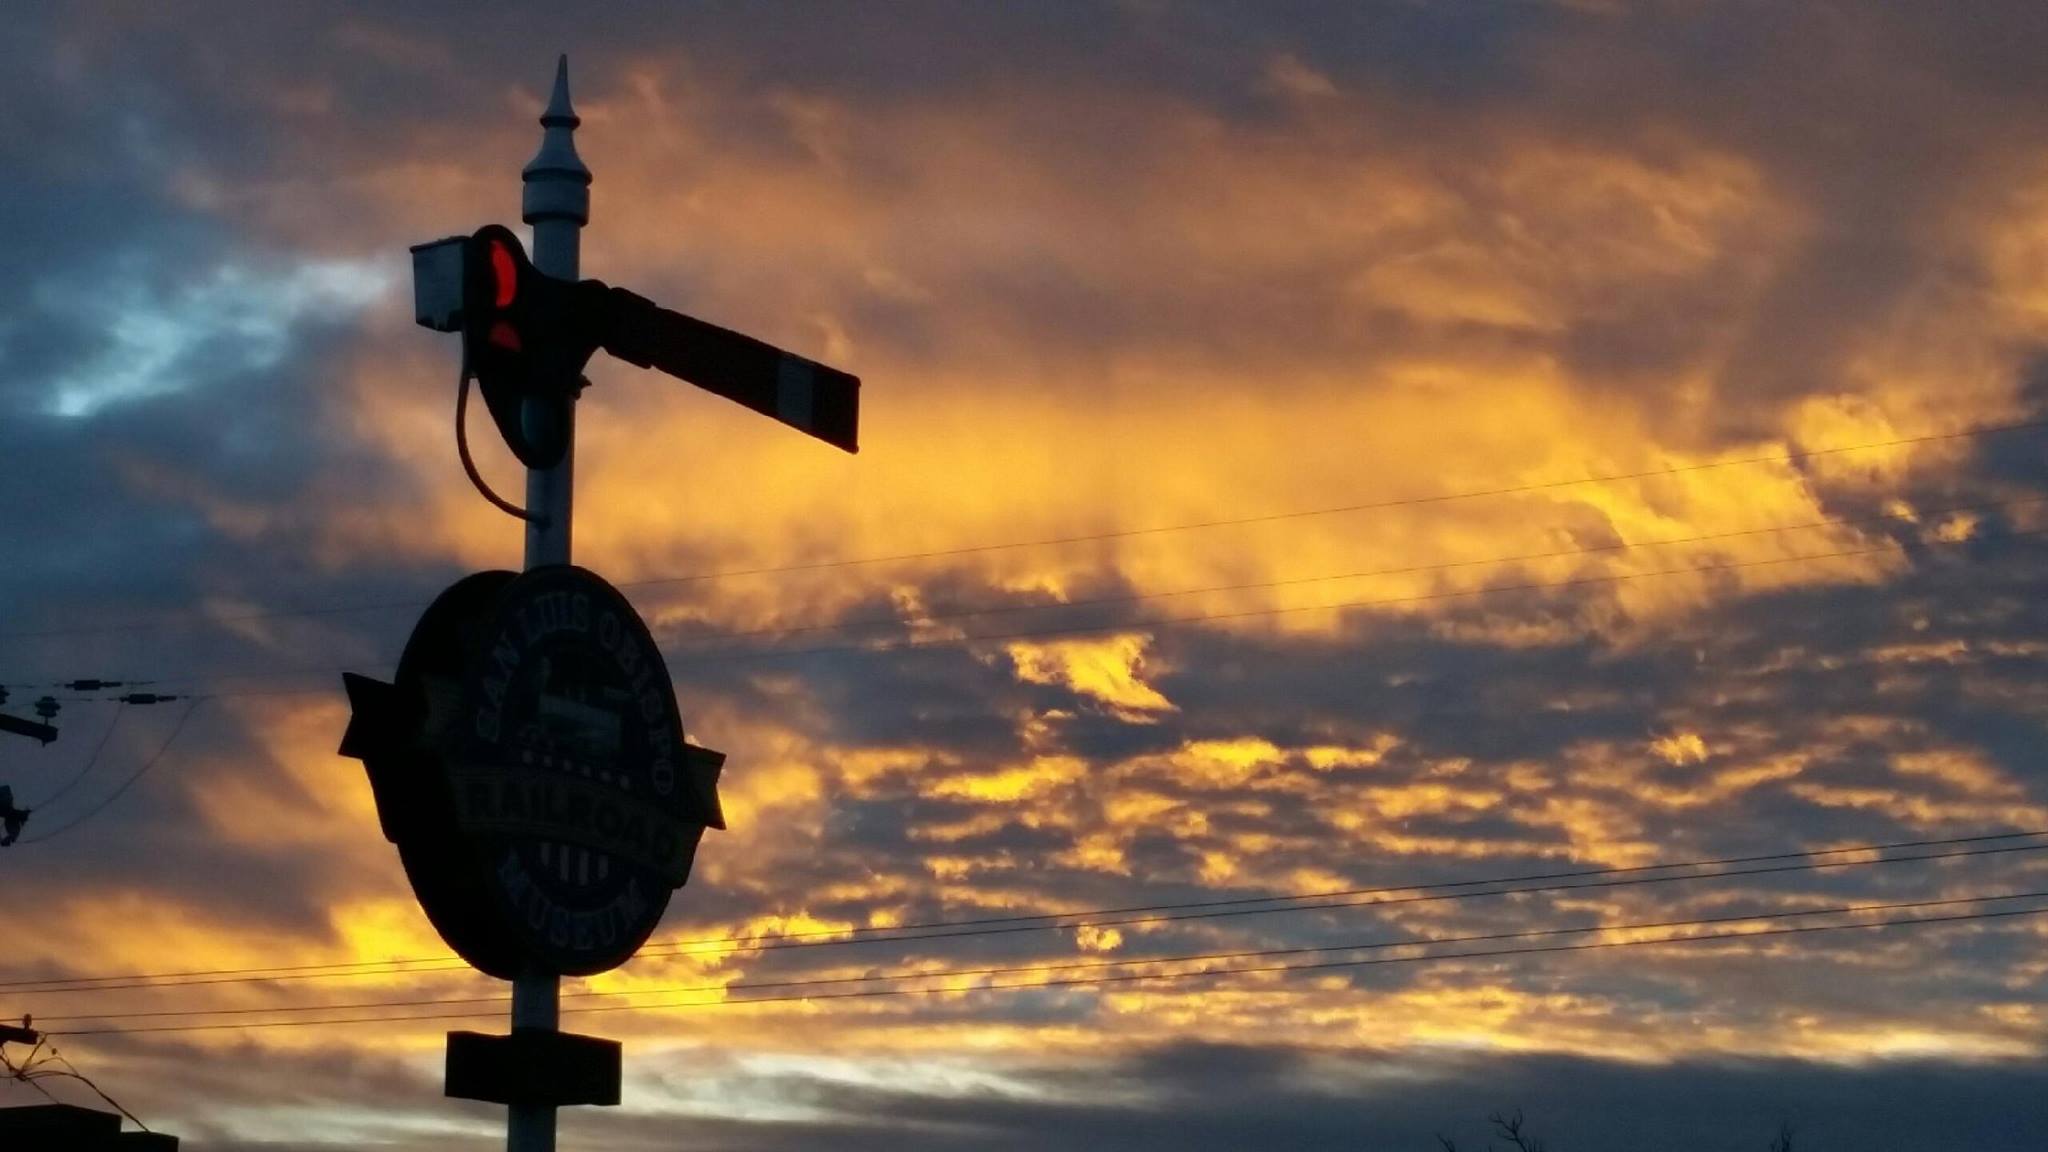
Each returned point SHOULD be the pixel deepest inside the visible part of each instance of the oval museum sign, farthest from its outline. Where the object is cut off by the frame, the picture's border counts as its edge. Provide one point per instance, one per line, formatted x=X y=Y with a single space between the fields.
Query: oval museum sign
x=529 y=763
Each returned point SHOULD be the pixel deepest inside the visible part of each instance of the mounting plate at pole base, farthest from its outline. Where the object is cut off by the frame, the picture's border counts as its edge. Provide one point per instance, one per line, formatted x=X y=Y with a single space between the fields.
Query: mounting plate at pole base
x=549 y=1069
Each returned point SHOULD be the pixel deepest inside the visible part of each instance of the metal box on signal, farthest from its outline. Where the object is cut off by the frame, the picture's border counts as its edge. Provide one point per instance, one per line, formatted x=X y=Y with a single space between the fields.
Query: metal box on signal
x=437 y=283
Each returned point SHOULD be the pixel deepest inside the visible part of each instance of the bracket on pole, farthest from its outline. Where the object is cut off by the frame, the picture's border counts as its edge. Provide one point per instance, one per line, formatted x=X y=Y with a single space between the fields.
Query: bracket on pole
x=28 y=728
x=533 y=1068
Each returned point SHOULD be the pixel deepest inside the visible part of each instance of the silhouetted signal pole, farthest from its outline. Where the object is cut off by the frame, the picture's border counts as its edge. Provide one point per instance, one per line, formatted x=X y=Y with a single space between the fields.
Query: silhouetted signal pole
x=555 y=201
x=528 y=329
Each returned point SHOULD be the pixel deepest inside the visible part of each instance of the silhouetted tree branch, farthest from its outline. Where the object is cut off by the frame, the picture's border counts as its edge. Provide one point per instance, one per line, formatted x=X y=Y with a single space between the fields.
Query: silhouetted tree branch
x=1511 y=1127
x=1514 y=1129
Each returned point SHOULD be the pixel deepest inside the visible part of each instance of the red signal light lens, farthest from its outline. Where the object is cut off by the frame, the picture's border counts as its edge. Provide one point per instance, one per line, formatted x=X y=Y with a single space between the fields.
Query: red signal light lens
x=504 y=274
x=505 y=336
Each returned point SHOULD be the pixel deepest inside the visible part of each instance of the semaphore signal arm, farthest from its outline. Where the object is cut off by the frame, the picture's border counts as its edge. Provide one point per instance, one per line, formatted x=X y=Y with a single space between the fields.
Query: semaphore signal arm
x=527 y=337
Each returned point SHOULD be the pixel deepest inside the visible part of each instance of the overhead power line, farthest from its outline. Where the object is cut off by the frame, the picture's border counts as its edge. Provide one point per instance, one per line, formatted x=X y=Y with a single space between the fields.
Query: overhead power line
x=189 y=616
x=1113 y=978
x=912 y=974
x=1340 y=605
x=1968 y=846
x=1362 y=506
x=1404 y=570
x=37 y=1067
x=90 y=761
x=119 y=791
x=700 y=654
x=72 y=1071
x=1140 y=597
x=1391 y=900
x=25 y=1074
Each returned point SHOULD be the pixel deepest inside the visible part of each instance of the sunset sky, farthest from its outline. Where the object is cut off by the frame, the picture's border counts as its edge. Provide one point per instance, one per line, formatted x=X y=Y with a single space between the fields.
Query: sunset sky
x=1305 y=448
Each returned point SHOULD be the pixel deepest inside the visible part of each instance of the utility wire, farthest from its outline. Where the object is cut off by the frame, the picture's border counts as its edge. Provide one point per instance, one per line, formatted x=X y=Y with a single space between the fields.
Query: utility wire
x=1405 y=570
x=27 y=1072
x=1411 y=569
x=702 y=654
x=912 y=974
x=92 y=760
x=1090 y=537
x=24 y=1075
x=1372 y=897
x=1378 y=602
x=1099 y=917
x=1363 y=506
x=1098 y=981
x=138 y=774
x=1375 y=901
x=1439 y=566
x=82 y=1078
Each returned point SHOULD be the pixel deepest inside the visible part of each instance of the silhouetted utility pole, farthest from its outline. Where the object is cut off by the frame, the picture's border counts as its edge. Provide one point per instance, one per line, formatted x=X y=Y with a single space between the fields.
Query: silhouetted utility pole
x=29 y=728
x=55 y=1127
x=46 y=709
x=12 y=818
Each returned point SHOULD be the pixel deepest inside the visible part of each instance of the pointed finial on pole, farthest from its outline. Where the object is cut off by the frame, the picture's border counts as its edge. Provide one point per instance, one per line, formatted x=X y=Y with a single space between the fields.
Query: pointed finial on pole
x=559 y=110
x=555 y=199
x=557 y=182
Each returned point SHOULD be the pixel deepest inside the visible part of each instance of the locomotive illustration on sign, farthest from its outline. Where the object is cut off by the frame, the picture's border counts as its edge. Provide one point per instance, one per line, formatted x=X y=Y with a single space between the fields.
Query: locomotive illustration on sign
x=530 y=765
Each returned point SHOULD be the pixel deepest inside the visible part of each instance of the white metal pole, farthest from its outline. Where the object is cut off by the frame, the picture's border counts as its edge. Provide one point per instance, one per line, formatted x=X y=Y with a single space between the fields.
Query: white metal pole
x=556 y=202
